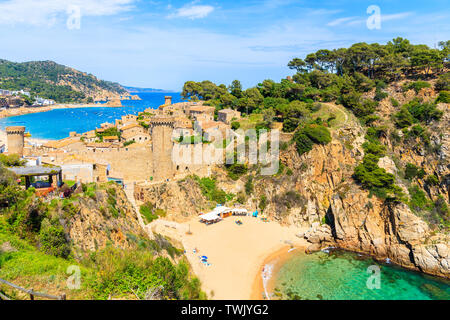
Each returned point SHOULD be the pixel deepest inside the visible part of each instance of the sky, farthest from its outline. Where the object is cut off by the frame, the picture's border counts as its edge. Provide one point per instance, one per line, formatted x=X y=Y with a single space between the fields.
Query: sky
x=162 y=44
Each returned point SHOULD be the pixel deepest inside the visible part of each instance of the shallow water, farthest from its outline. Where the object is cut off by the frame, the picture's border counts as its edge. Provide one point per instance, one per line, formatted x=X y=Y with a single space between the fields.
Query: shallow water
x=57 y=124
x=340 y=275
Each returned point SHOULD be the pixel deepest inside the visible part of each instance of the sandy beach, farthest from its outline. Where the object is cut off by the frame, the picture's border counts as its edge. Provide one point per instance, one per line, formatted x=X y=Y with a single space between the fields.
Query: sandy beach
x=21 y=111
x=237 y=254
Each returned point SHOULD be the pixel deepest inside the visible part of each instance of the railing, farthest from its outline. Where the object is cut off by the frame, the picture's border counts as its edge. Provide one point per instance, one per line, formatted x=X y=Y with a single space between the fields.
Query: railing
x=31 y=292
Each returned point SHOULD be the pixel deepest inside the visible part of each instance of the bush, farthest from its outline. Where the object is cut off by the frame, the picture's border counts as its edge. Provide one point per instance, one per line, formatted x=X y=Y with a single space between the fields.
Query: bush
x=309 y=135
x=395 y=103
x=403 y=118
x=417 y=86
x=53 y=240
x=443 y=83
x=236 y=170
x=423 y=112
x=444 y=97
x=318 y=134
x=235 y=125
x=432 y=180
x=129 y=273
x=418 y=199
x=127 y=143
x=249 y=187
x=303 y=142
x=12 y=160
x=412 y=171
x=211 y=191
x=147 y=211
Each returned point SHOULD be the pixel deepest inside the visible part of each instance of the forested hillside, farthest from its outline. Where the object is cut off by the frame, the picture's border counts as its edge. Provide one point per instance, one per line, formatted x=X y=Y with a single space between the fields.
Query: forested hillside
x=50 y=80
x=393 y=90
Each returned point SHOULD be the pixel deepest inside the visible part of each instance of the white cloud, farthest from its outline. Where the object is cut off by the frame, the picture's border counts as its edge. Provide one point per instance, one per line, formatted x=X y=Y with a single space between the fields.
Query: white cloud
x=396 y=16
x=46 y=12
x=192 y=11
x=340 y=21
x=353 y=21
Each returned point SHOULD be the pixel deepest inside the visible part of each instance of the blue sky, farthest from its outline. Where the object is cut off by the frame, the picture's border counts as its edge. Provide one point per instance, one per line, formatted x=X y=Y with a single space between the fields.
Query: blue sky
x=162 y=44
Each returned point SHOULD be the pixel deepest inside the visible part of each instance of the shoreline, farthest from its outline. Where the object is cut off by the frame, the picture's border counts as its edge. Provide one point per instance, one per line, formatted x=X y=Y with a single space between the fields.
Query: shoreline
x=15 y=112
x=262 y=287
x=236 y=253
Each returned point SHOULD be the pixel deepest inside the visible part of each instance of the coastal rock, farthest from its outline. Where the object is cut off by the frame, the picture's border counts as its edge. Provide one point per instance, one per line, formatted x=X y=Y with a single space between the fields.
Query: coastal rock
x=313 y=248
x=433 y=258
x=388 y=164
x=95 y=225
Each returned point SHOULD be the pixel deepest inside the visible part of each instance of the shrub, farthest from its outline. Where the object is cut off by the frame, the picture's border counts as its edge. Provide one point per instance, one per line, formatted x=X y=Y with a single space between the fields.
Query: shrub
x=403 y=118
x=235 y=125
x=412 y=171
x=318 y=134
x=236 y=170
x=249 y=185
x=395 y=103
x=53 y=240
x=127 y=143
x=309 y=135
x=12 y=160
x=211 y=191
x=417 y=86
x=423 y=112
x=303 y=142
x=444 y=97
x=432 y=180
x=262 y=202
x=418 y=199
x=147 y=211
x=380 y=94
x=443 y=83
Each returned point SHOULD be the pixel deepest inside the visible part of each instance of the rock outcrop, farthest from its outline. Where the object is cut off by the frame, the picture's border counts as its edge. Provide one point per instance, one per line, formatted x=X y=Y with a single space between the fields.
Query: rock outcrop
x=104 y=221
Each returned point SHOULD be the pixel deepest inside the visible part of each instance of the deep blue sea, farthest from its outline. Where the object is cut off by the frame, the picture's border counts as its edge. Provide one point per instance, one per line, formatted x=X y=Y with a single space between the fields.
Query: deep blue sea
x=57 y=124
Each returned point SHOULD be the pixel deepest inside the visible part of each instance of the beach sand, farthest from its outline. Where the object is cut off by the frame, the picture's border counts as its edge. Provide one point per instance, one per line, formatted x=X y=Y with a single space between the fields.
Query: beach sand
x=262 y=288
x=236 y=253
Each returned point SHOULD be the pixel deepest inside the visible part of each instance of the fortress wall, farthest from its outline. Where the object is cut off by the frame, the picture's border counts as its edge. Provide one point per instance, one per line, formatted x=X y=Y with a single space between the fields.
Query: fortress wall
x=134 y=164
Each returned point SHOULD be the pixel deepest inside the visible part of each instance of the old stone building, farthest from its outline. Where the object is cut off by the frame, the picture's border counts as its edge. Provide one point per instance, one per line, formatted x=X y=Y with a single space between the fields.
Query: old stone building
x=15 y=136
x=161 y=129
x=227 y=115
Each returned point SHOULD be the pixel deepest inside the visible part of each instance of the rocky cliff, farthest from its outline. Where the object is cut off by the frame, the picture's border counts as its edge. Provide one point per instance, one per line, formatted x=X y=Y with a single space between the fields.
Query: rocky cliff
x=104 y=216
x=317 y=190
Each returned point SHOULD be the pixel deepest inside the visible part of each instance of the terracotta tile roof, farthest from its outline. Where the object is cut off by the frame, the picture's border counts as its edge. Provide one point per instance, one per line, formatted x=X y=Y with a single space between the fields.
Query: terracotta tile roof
x=61 y=143
x=99 y=145
x=130 y=126
x=110 y=138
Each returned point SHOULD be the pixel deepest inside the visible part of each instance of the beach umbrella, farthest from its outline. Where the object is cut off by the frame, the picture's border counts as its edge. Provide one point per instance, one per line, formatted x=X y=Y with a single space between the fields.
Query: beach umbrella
x=205 y=257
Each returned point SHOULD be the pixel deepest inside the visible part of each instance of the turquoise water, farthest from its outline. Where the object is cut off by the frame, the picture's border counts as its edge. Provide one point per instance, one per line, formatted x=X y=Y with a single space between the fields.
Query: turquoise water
x=57 y=124
x=340 y=275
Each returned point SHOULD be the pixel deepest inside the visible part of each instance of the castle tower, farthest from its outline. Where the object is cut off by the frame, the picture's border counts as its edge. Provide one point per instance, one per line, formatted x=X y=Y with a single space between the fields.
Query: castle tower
x=15 y=139
x=161 y=130
x=168 y=100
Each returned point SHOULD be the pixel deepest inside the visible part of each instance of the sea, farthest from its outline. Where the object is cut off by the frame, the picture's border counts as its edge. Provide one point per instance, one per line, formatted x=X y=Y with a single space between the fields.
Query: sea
x=58 y=123
x=342 y=275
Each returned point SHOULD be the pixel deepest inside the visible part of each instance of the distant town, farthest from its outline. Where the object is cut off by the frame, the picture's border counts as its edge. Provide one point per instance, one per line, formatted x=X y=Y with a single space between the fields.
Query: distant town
x=17 y=99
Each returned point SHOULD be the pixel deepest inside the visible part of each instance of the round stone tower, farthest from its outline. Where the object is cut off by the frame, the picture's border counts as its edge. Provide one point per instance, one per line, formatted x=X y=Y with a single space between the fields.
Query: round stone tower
x=167 y=100
x=15 y=139
x=161 y=130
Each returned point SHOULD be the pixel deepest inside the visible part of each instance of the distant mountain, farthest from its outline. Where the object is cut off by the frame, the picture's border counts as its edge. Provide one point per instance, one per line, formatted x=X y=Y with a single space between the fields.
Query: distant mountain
x=145 y=90
x=50 y=80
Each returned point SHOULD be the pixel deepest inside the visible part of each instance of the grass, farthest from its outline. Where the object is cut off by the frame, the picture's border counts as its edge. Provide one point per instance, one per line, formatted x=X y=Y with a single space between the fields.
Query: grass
x=327 y=111
x=251 y=121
